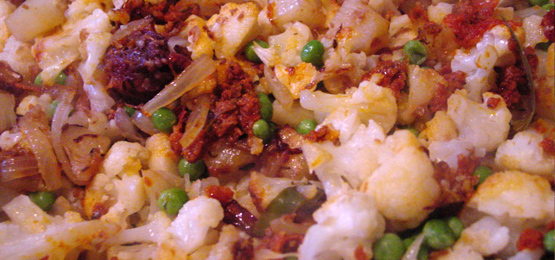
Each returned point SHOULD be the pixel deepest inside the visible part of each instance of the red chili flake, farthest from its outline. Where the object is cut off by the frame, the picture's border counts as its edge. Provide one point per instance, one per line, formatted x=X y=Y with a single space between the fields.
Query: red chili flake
x=493 y=102
x=530 y=239
x=223 y=194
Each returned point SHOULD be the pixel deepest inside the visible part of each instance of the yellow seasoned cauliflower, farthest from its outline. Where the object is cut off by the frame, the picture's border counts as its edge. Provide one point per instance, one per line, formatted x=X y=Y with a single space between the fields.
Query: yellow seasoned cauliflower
x=438 y=11
x=6 y=7
x=370 y=100
x=403 y=186
x=233 y=28
x=486 y=236
x=125 y=157
x=18 y=55
x=344 y=223
x=56 y=237
x=460 y=251
x=55 y=52
x=44 y=102
x=297 y=78
x=524 y=153
x=198 y=40
x=440 y=128
x=309 y=12
x=515 y=195
x=285 y=48
x=401 y=30
x=478 y=62
x=162 y=157
x=473 y=118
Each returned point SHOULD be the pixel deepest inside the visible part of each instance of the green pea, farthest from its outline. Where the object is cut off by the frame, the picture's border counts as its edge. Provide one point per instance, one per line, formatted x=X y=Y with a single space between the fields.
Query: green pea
x=171 y=200
x=538 y=2
x=53 y=107
x=313 y=52
x=483 y=172
x=38 y=80
x=261 y=129
x=266 y=109
x=306 y=126
x=389 y=247
x=438 y=234
x=548 y=7
x=195 y=170
x=422 y=252
x=549 y=241
x=43 y=199
x=249 y=50
x=456 y=225
x=415 y=52
x=164 y=119
x=61 y=78
x=129 y=110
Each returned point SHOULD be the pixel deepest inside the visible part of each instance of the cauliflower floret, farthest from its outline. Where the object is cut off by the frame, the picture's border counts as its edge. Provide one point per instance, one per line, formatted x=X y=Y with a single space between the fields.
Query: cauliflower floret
x=56 y=238
x=285 y=48
x=486 y=236
x=401 y=30
x=198 y=40
x=6 y=8
x=440 y=128
x=460 y=251
x=354 y=160
x=472 y=118
x=18 y=55
x=162 y=157
x=344 y=223
x=8 y=140
x=516 y=195
x=44 y=102
x=298 y=78
x=438 y=11
x=423 y=85
x=54 y=53
x=533 y=30
x=130 y=199
x=477 y=63
x=233 y=27
x=309 y=12
x=125 y=157
x=403 y=186
x=369 y=99
x=524 y=153
x=228 y=237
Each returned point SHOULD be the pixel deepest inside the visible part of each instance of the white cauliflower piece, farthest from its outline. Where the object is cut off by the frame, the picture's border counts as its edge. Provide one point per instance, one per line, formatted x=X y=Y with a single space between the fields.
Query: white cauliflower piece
x=533 y=30
x=162 y=157
x=423 y=85
x=125 y=157
x=285 y=48
x=472 y=119
x=193 y=222
x=309 y=12
x=298 y=78
x=524 y=153
x=6 y=8
x=438 y=11
x=449 y=151
x=54 y=53
x=198 y=39
x=477 y=63
x=57 y=238
x=44 y=102
x=155 y=232
x=344 y=223
x=223 y=250
x=130 y=199
x=486 y=236
x=403 y=186
x=401 y=30
x=354 y=160
x=18 y=55
x=516 y=195
x=8 y=139
x=440 y=128
x=369 y=99
x=233 y=28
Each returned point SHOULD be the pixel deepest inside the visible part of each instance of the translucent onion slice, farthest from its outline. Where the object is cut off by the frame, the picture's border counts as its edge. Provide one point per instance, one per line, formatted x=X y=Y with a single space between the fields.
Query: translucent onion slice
x=58 y=121
x=196 y=121
x=144 y=123
x=43 y=151
x=128 y=130
x=412 y=251
x=189 y=78
x=18 y=167
x=282 y=94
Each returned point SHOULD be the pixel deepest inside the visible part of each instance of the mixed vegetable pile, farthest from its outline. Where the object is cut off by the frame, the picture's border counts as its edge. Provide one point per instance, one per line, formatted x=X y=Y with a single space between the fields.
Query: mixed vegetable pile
x=273 y=129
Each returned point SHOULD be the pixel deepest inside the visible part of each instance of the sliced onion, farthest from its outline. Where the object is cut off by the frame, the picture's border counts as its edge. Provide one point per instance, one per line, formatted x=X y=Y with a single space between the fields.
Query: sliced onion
x=412 y=251
x=7 y=111
x=58 y=121
x=176 y=41
x=39 y=142
x=534 y=10
x=127 y=29
x=196 y=121
x=189 y=78
x=18 y=167
x=144 y=123
x=128 y=130
x=282 y=94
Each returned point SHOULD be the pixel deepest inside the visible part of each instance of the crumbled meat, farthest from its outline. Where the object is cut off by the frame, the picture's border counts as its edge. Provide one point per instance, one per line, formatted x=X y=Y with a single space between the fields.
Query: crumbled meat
x=471 y=19
x=324 y=133
x=456 y=185
x=548 y=25
x=548 y=146
x=394 y=75
x=168 y=12
x=243 y=249
x=140 y=64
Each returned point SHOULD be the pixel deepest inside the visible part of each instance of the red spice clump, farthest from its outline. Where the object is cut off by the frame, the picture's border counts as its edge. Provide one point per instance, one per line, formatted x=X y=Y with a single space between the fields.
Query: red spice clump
x=471 y=19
